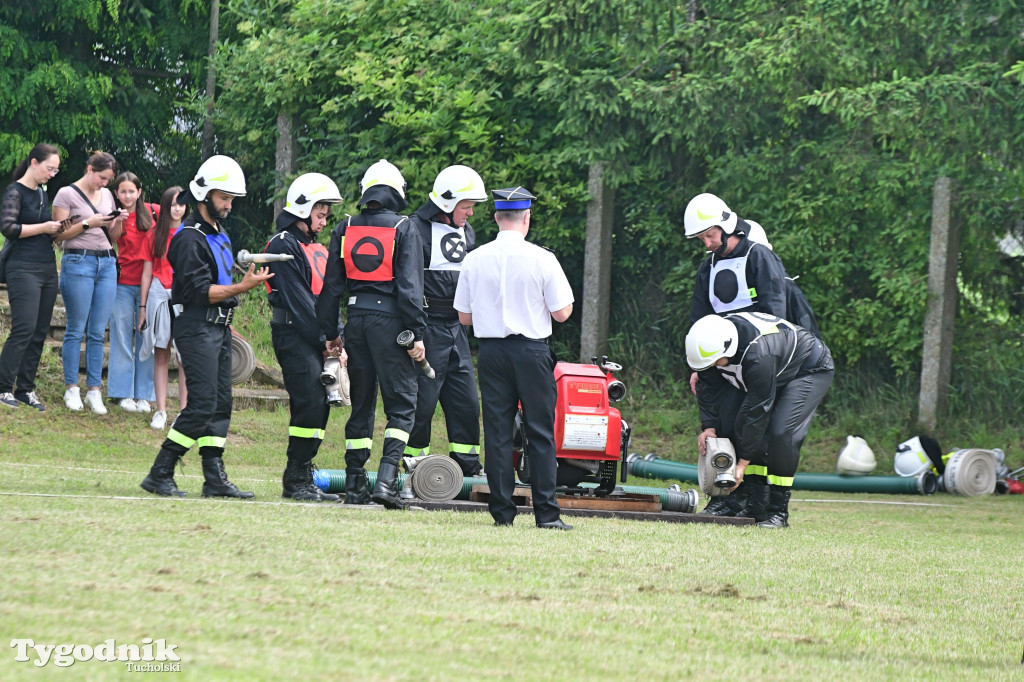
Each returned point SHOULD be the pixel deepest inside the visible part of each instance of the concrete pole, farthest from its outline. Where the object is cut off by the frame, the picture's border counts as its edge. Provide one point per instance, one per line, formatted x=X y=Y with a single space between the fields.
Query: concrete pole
x=597 y=266
x=211 y=79
x=284 y=156
x=937 y=355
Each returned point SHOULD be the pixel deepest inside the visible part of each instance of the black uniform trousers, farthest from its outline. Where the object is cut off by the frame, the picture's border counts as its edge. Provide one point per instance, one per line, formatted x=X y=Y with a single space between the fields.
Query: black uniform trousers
x=375 y=358
x=32 y=290
x=447 y=346
x=205 y=350
x=790 y=421
x=301 y=365
x=518 y=371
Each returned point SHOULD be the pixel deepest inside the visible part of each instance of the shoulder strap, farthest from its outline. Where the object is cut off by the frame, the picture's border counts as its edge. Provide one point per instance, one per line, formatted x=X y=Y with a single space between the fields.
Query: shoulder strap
x=106 y=234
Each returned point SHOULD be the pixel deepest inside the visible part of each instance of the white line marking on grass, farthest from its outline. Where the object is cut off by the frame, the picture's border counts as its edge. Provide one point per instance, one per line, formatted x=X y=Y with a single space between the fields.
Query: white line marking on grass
x=909 y=504
x=159 y=498
x=118 y=471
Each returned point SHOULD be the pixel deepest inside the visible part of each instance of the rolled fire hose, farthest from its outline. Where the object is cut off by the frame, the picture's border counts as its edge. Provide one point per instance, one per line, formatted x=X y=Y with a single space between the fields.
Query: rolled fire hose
x=672 y=498
x=926 y=483
x=436 y=479
x=243 y=360
x=970 y=472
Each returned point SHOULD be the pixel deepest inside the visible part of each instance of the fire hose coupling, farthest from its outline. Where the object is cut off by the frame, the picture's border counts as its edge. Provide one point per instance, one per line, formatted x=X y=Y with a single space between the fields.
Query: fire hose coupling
x=406 y=340
x=245 y=259
x=717 y=467
x=334 y=378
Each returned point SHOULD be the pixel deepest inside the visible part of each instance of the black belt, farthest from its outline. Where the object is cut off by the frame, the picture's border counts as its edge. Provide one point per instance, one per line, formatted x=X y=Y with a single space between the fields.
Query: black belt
x=219 y=315
x=515 y=337
x=99 y=253
x=282 y=316
x=376 y=302
x=439 y=306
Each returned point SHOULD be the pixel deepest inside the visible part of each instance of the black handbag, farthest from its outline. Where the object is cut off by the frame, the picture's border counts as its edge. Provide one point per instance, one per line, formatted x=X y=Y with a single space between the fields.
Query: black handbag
x=5 y=253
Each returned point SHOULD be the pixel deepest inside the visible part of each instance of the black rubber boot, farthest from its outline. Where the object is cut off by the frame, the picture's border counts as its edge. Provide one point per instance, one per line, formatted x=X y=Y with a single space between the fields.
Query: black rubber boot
x=757 y=500
x=778 y=508
x=297 y=484
x=216 y=483
x=718 y=506
x=160 y=480
x=738 y=500
x=386 y=491
x=356 y=491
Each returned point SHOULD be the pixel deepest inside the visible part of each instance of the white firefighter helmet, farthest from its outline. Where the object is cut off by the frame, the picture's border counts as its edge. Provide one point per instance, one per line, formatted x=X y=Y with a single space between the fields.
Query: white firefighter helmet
x=910 y=458
x=710 y=338
x=455 y=184
x=383 y=173
x=856 y=458
x=308 y=190
x=221 y=173
x=706 y=211
x=756 y=233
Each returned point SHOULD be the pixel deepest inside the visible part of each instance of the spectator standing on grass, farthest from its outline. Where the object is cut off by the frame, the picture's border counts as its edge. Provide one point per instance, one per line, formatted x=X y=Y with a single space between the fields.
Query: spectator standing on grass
x=30 y=273
x=129 y=375
x=509 y=291
x=155 y=296
x=298 y=342
x=202 y=259
x=88 y=275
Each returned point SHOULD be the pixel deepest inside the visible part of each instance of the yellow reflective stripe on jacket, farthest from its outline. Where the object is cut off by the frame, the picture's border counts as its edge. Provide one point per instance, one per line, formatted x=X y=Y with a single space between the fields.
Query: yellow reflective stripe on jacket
x=417 y=452
x=358 y=443
x=180 y=438
x=212 y=442
x=756 y=470
x=464 y=448
x=303 y=432
x=784 y=481
x=397 y=434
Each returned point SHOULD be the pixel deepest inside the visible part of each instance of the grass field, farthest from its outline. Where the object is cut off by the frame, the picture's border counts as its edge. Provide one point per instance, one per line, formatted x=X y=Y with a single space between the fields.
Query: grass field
x=862 y=587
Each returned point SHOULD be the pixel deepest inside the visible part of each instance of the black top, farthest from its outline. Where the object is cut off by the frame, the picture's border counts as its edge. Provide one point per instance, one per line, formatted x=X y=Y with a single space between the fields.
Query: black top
x=439 y=284
x=195 y=266
x=290 y=287
x=405 y=288
x=24 y=206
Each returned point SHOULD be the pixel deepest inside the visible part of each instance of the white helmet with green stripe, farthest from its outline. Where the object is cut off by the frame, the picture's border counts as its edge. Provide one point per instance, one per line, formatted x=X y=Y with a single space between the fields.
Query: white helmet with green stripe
x=706 y=211
x=710 y=339
x=455 y=184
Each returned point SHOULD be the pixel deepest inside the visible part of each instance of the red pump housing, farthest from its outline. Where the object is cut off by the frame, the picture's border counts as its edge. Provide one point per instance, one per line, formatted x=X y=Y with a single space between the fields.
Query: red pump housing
x=586 y=425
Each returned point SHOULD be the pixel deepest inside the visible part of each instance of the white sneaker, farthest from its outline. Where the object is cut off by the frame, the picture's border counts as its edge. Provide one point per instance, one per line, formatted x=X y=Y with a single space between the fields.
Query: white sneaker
x=143 y=406
x=159 y=420
x=126 y=404
x=94 y=399
x=73 y=399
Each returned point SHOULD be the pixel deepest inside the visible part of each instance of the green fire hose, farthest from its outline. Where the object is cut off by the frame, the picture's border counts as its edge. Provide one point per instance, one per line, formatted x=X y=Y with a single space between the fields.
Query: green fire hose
x=652 y=466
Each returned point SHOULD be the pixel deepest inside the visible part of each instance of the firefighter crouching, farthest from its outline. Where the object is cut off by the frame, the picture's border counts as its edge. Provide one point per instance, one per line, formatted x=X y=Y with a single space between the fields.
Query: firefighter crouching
x=202 y=258
x=298 y=342
x=783 y=372
x=376 y=256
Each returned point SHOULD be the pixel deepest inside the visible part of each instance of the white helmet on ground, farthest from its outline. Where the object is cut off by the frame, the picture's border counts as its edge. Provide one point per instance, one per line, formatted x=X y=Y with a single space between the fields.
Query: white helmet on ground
x=383 y=173
x=910 y=458
x=709 y=339
x=308 y=190
x=706 y=211
x=856 y=458
x=455 y=184
x=221 y=173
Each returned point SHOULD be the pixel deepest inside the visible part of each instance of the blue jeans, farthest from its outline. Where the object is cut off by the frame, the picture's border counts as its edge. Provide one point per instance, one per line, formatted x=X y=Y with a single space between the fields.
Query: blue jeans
x=88 y=285
x=127 y=375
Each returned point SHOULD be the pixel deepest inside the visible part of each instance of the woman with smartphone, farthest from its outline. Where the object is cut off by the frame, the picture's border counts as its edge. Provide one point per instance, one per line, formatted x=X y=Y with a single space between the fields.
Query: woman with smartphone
x=88 y=274
x=31 y=273
x=129 y=374
x=156 y=300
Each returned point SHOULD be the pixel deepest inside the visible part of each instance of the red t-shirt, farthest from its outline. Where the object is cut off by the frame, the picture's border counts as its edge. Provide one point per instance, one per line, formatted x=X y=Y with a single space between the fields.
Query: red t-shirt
x=161 y=267
x=130 y=248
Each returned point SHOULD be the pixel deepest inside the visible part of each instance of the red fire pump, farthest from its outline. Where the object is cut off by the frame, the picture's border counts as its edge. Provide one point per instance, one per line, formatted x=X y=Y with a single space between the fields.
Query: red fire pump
x=591 y=439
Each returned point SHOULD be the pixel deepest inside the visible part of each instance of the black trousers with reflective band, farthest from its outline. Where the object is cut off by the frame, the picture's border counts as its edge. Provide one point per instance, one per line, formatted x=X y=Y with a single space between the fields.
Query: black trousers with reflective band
x=307 y=402
x=516 y=371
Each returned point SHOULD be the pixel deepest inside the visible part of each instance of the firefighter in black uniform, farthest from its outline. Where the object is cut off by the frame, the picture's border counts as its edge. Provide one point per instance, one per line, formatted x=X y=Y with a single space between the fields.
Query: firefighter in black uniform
x=782 y=371
x=201 y=256
x=377 y=257
x=298 y=342
x=741 y=274
x=509 y=291
x=447 y=236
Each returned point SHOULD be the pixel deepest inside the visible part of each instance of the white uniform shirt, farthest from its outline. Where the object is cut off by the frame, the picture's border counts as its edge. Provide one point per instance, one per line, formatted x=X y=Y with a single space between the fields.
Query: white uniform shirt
x=511 y=286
